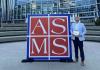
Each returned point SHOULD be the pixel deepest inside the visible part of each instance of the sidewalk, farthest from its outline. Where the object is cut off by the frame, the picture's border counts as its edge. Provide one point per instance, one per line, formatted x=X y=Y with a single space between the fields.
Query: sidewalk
x=11 y=55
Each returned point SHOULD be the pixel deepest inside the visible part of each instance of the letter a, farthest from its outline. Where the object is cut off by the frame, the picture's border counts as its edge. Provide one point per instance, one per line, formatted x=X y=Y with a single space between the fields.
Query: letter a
x=41 y=26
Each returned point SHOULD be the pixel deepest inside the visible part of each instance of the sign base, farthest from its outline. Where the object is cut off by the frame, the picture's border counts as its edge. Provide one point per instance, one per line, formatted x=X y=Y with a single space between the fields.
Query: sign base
x=66 y=60
x=27 y=60
x=32 y=60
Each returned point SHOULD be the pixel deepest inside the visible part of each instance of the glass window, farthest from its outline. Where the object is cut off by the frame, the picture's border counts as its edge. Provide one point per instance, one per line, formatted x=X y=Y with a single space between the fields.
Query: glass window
x=98 y=1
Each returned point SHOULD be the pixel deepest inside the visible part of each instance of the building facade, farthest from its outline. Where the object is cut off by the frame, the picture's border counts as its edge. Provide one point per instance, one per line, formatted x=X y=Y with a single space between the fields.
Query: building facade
x=88 y=10
x=22 y=9
x=0 y=12
x=98 y=7
x=7 y=9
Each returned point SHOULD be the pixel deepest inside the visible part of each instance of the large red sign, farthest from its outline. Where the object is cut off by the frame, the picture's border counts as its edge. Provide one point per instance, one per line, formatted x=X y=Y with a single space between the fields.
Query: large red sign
x=48 y=37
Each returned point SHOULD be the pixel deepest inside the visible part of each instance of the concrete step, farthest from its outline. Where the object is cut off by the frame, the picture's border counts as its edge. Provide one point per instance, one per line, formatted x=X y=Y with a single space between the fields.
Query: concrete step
x=12 y=39
x=13 y=29
x=94 y=28
x=13 y=25
x=95 y=33
x=23 y=38
x=12 y=33
x=92 y=38
x=18 y=32
x=19 y=21
x=89 y=24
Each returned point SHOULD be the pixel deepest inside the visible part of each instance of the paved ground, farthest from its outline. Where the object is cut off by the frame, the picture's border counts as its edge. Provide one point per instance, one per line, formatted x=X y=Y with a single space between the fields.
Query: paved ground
x=11 y=55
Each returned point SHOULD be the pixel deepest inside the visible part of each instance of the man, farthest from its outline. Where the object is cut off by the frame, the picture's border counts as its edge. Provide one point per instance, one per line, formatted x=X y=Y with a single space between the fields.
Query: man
x=78 y=31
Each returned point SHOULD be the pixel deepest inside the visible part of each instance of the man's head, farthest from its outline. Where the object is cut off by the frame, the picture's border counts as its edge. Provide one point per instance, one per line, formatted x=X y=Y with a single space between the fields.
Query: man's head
x=77 y=19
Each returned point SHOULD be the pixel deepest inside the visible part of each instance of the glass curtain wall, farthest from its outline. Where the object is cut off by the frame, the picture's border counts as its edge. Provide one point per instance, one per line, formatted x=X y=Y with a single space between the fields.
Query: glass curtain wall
x=98 y=6
x=0 y=13
x=41 y=7
x=7 y=10
x=86 y=9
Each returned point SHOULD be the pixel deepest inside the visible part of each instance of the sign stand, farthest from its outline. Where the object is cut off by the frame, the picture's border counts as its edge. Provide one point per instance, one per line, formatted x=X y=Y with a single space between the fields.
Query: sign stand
x=49 y=38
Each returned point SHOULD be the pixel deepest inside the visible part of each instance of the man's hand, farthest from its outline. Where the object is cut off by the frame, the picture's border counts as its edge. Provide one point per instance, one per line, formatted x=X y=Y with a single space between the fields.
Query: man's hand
x=76 y=35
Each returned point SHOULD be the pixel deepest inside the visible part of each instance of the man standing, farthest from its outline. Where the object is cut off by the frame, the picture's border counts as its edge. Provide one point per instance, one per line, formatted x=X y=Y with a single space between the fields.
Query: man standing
x=78 y=31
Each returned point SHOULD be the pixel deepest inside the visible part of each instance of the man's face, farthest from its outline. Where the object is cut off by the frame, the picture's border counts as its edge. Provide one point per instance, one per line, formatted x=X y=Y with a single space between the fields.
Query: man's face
x=77 y=19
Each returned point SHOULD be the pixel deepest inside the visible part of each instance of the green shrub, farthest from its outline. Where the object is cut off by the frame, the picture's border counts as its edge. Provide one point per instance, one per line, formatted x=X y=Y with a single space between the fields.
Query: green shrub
x=97 y=22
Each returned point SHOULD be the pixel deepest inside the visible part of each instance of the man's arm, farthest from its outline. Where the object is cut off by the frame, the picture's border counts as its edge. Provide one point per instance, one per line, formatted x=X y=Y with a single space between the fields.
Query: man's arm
x=84 y=30
x=71 y=28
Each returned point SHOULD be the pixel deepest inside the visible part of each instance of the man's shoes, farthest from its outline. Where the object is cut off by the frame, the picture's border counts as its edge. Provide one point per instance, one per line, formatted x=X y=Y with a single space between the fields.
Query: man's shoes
x=82 y=63
x=75 y=61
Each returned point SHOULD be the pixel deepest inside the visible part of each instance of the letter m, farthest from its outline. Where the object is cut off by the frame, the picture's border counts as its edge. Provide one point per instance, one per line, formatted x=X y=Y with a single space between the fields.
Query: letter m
x=37 y=47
